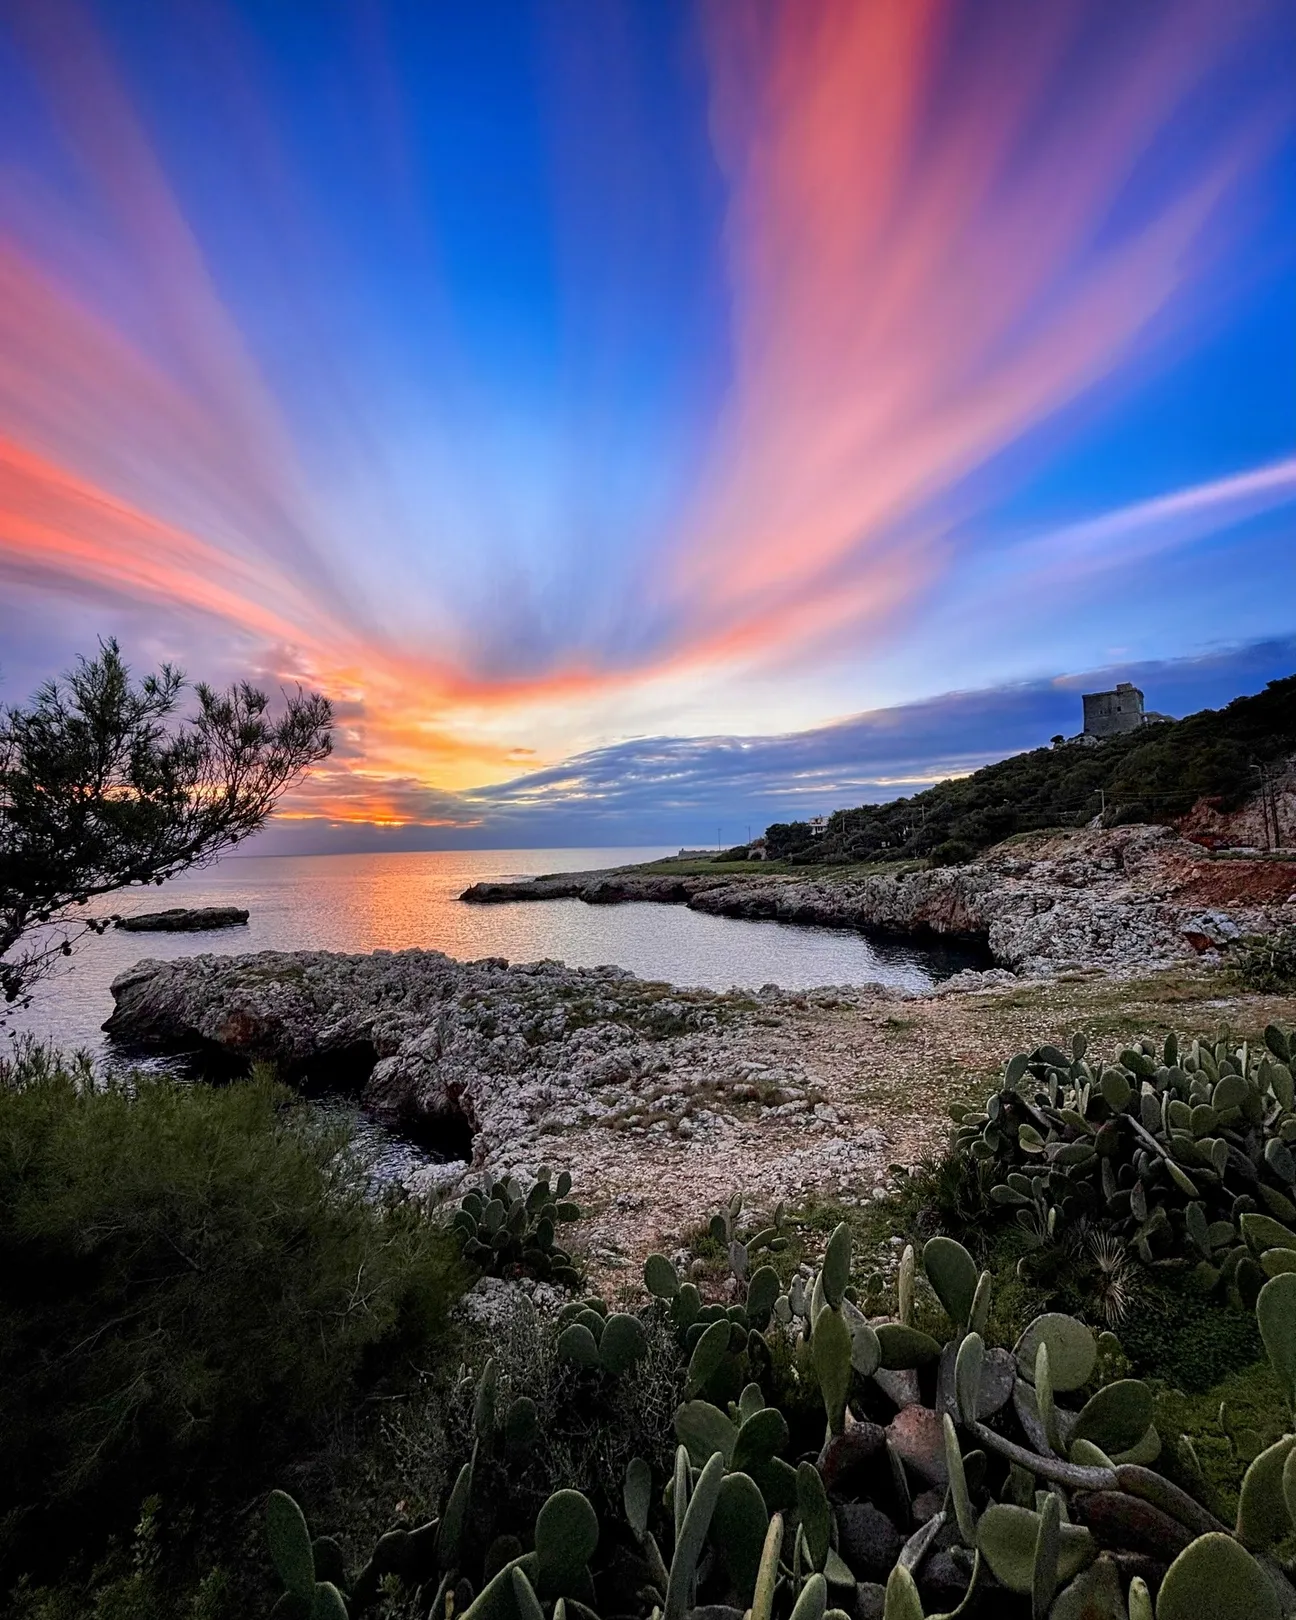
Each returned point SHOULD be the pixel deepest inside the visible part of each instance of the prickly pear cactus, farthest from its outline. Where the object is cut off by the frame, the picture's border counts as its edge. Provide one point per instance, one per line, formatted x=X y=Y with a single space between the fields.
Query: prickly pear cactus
x=505 y=1229
x=956 y=1477
x=1186 y=1148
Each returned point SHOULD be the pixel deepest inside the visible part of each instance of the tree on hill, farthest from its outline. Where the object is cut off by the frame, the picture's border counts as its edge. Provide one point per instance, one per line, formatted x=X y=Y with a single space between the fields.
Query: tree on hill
x=103 y=785
x=1154 y=774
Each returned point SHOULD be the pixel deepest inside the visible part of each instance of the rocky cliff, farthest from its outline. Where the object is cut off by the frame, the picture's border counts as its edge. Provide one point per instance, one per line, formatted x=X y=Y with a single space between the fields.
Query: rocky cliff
x=485 y=1059
x=1125 y=899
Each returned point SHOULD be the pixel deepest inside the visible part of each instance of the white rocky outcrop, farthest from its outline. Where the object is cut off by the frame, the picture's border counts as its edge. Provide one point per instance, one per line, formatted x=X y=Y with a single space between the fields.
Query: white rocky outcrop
x=1124 y=899
x=473 y=1054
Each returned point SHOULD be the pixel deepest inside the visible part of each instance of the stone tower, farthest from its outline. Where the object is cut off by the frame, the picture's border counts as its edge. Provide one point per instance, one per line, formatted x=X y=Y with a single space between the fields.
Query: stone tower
x=1107 y=714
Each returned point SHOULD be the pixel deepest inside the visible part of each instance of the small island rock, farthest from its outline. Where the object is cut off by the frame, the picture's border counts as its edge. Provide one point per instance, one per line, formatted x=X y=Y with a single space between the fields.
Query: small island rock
x=180 y=920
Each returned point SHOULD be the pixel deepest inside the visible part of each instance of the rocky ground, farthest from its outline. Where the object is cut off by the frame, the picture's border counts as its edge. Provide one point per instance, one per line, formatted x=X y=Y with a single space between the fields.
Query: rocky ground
x=1123 y=899
x=659 y=1100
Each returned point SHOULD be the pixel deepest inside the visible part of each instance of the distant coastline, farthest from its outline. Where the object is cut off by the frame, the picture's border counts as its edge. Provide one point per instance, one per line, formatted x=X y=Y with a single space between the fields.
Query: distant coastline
x=1118 y=900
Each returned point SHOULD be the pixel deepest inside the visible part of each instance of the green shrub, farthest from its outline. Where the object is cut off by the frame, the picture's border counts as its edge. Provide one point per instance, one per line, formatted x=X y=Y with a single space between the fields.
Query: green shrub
x=1190 y=1342
x=190 y=1280
x=589 y=1426
x=1267 y=963
x=130 y=1582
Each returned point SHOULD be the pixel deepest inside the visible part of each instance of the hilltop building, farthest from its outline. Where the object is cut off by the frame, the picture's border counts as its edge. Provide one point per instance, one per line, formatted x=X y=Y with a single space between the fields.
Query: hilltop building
x=1111 y=714
x=1107 y=714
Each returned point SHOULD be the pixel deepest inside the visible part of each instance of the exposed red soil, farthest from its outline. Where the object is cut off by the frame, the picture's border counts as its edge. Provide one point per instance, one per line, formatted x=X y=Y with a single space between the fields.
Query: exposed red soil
x=1236 y=883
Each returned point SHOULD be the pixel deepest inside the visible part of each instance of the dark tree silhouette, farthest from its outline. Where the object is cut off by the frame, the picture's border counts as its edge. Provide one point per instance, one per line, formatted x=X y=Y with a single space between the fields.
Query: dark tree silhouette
x=103 y=784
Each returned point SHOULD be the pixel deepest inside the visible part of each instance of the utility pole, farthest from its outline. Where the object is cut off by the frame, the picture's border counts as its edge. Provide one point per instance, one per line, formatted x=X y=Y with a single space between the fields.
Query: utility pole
x=1268 y=808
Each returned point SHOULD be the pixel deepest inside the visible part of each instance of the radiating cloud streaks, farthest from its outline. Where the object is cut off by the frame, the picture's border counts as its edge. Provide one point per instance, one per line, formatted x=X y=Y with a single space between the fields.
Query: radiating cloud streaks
x=914 y=292
x=493 y=465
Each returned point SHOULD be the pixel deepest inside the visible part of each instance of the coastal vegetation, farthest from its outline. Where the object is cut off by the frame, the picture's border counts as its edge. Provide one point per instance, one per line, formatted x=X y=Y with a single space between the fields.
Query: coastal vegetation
x=1154 y=774
x=105 y=784
x=890 y=1384
x=1267 y=962
x=196 y=1285
x=838 y=1446
x=1046 y=1372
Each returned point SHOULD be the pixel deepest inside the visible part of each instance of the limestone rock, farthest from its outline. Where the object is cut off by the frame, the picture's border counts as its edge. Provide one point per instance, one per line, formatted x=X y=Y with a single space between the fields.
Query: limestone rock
x=181 y=920
x=1122 y=899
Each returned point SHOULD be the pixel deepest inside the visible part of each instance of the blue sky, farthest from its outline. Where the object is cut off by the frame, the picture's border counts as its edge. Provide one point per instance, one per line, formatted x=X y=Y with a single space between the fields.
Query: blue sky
x=570 y=391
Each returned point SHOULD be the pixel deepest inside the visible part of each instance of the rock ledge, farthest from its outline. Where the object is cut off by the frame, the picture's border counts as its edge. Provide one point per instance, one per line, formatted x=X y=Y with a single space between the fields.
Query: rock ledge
x=181 y=920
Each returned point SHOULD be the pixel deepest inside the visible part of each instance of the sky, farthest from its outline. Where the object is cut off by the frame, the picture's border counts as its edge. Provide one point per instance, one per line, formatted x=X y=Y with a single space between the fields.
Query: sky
x=648 y=420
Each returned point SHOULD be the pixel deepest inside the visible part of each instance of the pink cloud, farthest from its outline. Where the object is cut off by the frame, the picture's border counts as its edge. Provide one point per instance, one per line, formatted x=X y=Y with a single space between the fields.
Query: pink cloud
x=923 y=269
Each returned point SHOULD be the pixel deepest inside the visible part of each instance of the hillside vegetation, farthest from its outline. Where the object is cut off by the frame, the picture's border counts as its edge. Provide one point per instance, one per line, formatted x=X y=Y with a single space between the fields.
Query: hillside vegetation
x=1154 y=774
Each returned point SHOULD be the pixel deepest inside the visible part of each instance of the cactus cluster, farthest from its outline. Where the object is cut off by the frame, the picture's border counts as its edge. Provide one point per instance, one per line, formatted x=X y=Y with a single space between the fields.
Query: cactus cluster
x=943 y=1477
x=429 y=1562
x=504 y=1228
x=1188 y=1151
x=591 y=1336
x=755 y=1282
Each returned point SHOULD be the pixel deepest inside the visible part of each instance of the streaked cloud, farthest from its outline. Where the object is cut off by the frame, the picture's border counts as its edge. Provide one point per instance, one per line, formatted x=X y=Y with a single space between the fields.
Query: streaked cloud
x=682 y=398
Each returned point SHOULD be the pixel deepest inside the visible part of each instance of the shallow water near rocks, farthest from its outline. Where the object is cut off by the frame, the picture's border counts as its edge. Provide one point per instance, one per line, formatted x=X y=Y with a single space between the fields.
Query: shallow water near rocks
x=392 y=902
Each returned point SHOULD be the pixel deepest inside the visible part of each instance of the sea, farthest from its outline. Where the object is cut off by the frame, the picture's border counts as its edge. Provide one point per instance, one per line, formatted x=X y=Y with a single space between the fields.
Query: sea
x=394 y=901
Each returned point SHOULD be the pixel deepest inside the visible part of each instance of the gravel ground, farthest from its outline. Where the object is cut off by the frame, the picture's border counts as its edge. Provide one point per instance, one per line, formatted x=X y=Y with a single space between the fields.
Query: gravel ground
x=840 y=1093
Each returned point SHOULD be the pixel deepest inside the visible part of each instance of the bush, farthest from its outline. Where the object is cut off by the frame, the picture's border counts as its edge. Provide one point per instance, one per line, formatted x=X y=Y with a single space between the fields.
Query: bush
x=1267 y=963
x=589 y=1426
x=190 y=1279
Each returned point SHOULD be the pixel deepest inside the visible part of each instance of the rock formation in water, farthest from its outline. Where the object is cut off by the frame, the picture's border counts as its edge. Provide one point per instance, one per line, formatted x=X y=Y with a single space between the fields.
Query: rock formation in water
x=1126 y=899
x=179 y=920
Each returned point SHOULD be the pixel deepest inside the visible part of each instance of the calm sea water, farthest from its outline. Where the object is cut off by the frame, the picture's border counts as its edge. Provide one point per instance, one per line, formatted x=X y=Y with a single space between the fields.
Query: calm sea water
x=368 y=902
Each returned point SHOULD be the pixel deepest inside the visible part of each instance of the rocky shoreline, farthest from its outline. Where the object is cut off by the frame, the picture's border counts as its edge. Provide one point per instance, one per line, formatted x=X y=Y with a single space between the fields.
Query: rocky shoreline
x=662 y=1099
x=1123 y=899
x=489 y=1061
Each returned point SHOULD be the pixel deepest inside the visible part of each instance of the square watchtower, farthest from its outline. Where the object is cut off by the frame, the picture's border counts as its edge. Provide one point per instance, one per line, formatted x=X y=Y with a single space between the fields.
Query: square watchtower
x=1107 y=714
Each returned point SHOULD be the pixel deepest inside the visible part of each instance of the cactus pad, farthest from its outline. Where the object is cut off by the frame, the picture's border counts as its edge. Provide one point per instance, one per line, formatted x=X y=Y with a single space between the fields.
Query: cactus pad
x=1008 y=1537
x=566 y=1534
x=1276 y=1314
x=290 y=1545
x=738 y=1528
x=623 y=1343
x=903 y=1347
x=1073 y=1350
x=830 y=1349
x=704 y=1429
x=816 y=1515
x=952 y=1272
x=1117 y=1417
x=710 y=1350
x=660 y=1277
x=576 y=1343
x=1214 y=1578
x=1262 y=1516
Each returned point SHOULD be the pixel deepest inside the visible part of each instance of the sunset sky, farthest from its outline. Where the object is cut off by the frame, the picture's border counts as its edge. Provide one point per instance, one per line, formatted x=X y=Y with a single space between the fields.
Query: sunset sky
x=648 y=419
